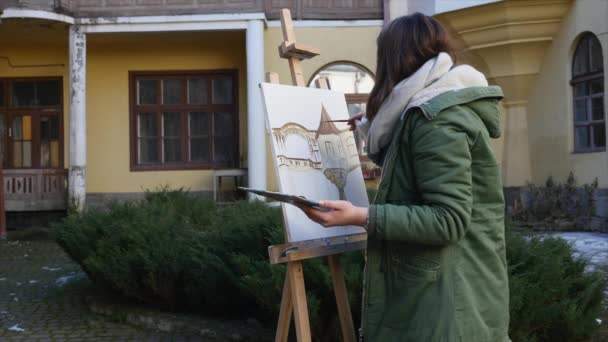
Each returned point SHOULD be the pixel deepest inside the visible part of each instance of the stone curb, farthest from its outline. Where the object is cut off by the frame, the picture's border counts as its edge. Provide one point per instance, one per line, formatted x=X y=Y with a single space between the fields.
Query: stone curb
x=249 y=330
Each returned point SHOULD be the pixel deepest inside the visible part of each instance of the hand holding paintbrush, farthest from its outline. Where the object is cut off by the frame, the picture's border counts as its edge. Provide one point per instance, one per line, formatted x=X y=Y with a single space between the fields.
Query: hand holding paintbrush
x=353 y=122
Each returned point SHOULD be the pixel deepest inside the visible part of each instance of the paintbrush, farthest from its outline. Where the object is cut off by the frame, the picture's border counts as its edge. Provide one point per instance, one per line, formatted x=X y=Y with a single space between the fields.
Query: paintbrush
x=357 y=123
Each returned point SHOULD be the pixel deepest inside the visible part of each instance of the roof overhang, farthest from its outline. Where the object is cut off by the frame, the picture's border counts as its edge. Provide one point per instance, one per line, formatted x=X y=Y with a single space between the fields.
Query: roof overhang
x=507 y=39
x=168 y=23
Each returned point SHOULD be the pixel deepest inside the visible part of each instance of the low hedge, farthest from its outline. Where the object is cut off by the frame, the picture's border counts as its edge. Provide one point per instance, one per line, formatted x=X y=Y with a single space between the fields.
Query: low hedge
x=183 y=253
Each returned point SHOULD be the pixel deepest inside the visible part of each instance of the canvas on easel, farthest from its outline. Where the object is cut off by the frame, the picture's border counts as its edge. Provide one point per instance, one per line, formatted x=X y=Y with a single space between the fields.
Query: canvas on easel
x=307 y=154
x=314 y=153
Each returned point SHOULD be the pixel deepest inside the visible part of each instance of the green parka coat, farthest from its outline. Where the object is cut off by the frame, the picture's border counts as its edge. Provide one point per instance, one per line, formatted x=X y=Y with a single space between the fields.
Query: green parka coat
x=436 y=268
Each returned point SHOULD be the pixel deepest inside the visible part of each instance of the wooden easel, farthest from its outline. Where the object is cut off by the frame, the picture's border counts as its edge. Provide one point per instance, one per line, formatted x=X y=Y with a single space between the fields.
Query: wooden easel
x=294 y=291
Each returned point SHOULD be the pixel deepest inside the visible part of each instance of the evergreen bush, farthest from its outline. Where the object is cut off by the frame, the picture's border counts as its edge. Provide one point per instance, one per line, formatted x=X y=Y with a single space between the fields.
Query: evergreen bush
x=552 y=298
x=180 y=252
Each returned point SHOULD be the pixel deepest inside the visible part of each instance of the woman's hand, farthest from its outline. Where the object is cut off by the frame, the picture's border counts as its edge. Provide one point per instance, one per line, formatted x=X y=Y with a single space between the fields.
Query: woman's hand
x=352 y=122
x=343 y=213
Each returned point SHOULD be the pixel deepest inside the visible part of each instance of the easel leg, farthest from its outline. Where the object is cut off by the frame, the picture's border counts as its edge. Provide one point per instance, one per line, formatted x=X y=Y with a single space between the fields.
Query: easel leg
x=284 y=313
x=346 y=319
x=295 y=272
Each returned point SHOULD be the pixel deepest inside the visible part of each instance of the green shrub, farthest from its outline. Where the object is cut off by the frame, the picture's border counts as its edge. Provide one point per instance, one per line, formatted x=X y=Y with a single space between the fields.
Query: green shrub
x=180 y=252
x=552 y=297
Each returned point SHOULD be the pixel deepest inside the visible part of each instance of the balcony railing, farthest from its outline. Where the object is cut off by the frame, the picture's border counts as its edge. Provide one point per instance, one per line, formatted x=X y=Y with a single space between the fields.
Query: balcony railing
x=300 y=9
x=35 y=189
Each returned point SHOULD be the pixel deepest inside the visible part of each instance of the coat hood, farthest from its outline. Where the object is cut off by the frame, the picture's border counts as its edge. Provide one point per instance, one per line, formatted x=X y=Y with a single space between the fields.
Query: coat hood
x=483 y=101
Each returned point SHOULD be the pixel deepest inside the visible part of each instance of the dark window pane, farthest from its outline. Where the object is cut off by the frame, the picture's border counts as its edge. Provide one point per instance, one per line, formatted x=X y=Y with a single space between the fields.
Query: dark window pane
x=597 y=86
x=172 y=91
x=581 y=58
x=596 y=55
x=171 y=150
x=49 y=128
x=223 y=124
x=148 y=92
x=223 y=150
x=17 y=154
x=2 y=94
x=197 y=91
x=171 y=125
x=48 y=93
x=147 y=126
x=27 y=154
x=580 y=89
x=148 y=151
x=222 y=90
x=198 y=124
x=581 y=138
x=580 y=110
x=17 y=129
x=599 y=135
x=24 y=93
x=597 y=108
x=199 y=149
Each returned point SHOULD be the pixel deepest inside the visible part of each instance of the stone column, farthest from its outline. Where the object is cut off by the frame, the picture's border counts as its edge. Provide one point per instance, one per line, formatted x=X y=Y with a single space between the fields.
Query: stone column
x=78 y=119
x=256 y=123
x=516 y=153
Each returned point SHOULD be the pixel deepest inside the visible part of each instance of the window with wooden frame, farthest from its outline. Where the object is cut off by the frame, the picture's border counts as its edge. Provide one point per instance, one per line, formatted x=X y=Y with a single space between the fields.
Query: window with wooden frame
x=31 y=122
x=184 y=120
x=356 y=82
x=588 y=90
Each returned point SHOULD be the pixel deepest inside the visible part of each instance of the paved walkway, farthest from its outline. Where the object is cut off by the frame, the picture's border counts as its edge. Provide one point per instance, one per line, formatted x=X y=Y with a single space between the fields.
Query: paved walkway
x=41 y=299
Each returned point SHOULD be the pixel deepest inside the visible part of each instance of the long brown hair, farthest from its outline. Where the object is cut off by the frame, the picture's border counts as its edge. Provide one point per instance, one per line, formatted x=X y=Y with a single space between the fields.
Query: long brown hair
x=404 y=45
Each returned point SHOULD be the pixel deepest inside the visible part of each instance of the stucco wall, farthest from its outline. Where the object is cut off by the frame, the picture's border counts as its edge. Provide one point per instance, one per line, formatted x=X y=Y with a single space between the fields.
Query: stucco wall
x=550 y=105
x=28 y=45
x=111 y=56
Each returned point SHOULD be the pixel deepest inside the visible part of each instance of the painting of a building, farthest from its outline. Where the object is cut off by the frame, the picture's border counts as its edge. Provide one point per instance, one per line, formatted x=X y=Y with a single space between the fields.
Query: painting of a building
x=314 y=153
x=327 y=148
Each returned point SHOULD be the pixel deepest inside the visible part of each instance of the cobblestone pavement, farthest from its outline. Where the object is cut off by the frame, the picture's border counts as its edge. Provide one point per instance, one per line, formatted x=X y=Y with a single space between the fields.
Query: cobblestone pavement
x=41 y=299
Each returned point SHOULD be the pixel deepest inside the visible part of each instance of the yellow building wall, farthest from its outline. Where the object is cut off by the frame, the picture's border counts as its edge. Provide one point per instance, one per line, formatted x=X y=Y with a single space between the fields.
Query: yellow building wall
x=353 y=44
x=550 y=105
x=29 y=45
x=110 y=57
x=109 y=60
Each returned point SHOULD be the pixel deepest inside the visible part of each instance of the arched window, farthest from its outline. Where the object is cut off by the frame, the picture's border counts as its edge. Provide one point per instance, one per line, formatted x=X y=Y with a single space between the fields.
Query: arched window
x=588 y=89
x=356 y=82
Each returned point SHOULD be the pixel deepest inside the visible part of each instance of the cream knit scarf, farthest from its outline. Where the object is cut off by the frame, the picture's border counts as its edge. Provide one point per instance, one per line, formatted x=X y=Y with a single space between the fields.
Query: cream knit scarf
x=435 y=77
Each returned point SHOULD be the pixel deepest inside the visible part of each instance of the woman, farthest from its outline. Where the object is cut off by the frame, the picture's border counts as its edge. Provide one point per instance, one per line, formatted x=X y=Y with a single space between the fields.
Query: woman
x=436 y=267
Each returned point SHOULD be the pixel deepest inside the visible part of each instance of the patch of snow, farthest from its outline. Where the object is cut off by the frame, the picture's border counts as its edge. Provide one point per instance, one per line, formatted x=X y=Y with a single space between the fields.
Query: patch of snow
x=65 y=279
x=599 y=321
x=3 y=312
x=2 y=279
x=16 y=328
x=51 y=268
x=12 y=294
x=591 y=246
x=16 y=299
x=33 y=281
x=18 y=283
